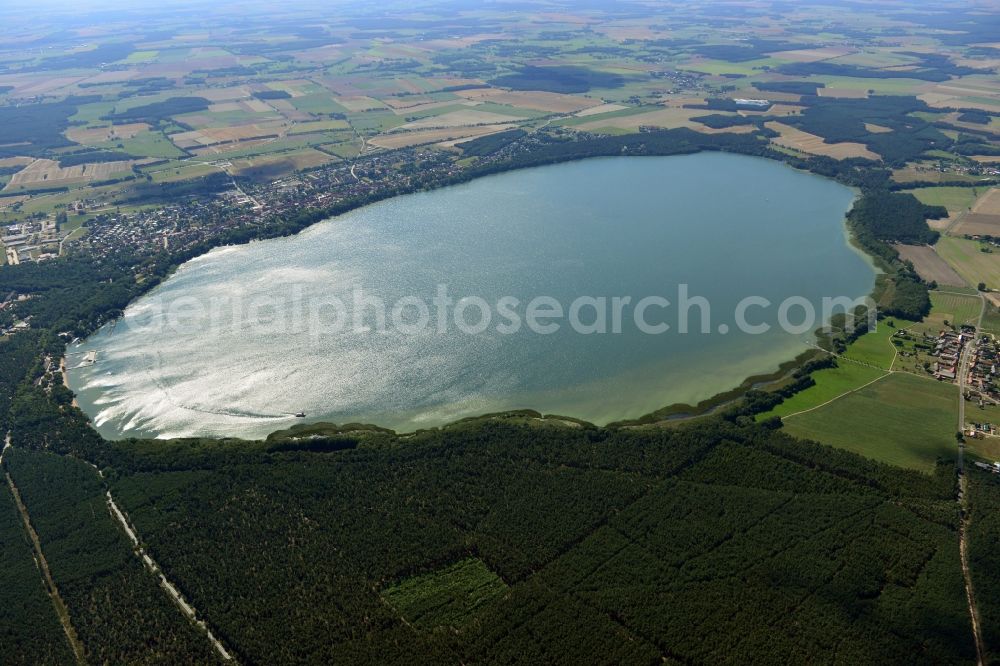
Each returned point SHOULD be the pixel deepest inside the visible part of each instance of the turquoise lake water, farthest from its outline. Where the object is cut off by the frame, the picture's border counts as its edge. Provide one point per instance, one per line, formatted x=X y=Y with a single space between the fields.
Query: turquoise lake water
x=240 y=340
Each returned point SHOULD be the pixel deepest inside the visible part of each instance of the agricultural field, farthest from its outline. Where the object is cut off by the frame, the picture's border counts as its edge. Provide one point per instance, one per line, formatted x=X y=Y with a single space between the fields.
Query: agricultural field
x=958 y=309
x=929 y=265
x=881 y=421
x=831 y=384
x=867 y=359
x=984 y=216
x=991 y=318
x=234 y=94
x=400 y=139
x=975 y=261
x=805 y=142
x=136 y=140
x=875 y=348
x=955 y=199
x=48 y=173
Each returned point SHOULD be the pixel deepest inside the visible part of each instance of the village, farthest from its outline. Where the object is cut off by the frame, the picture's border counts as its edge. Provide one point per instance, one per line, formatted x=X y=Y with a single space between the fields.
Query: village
x=980 y=381
x=32 y=240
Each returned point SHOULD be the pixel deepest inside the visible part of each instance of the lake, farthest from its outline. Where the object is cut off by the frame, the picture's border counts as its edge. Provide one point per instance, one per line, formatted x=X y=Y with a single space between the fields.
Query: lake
x=240 y=340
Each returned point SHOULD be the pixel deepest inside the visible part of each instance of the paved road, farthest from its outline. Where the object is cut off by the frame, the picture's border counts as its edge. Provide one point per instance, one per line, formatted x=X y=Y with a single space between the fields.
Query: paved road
x=963 y=368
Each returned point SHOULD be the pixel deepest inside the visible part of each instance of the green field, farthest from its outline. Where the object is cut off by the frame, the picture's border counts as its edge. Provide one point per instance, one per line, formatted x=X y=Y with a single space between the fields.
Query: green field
x=902 y=420
x=987 y=449
x=991 y=319
x=145 y=144
x=875 y=348
x=969 y=261
x=141 y=56
x=447 y=597
x=956 y=308
x=317 y=103
x=953 y=198
x=830 y=384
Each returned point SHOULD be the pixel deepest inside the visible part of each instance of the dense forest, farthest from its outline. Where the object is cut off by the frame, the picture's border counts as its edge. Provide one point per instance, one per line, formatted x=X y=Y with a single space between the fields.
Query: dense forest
x=839 y=120
x=29 y=629
x=984 y=555
x=559 y=79
x=116 y=607
x=703 y=544
x=40 y=125
x=500 y=539
x=896 y=217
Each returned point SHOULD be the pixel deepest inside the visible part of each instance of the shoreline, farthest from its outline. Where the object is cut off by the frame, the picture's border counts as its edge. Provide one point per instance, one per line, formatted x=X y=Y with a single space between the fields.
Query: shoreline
x=65 y=377
x=668 y=414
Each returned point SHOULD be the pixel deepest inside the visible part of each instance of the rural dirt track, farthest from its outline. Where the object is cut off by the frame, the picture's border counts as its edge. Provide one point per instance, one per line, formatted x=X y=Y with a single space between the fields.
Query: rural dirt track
x=963 y=544
x=175 y=596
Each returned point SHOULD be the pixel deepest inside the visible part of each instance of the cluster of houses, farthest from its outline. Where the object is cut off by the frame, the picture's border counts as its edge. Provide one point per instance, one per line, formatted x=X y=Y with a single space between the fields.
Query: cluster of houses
x=10 y=323
x=980 y=381
x=948 y=350
x=983 y=369
x=32 y=240
x=193 y=220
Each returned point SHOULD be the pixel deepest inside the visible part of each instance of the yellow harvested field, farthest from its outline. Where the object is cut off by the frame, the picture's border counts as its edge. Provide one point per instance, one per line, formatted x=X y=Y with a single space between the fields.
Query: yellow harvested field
x=978 y=224
x=306 y=158
x=779 y=110
x=977 y=92
x=460 y=118
x=285 y=108
x=776 y=97
x=319 y=126
x=256 y=106
x=943 y=223
x=406 y=139
x=89 y=135
x=225 y=107
x=989 y=203
x=224 y=94
x=669 y=117
x=46 y=85
x=877 y=129
x=16 y=161
x=213 y=135
x=814 y=145
x=427 y=106
x=984 y=218
x=414 y=102
x=536 y=100
x=680 y=102
x=603 y=108
x=929 y=265
x=230 y=146
x=358 y=104
x=49 y=172
x=293 y=87
x=843 y=93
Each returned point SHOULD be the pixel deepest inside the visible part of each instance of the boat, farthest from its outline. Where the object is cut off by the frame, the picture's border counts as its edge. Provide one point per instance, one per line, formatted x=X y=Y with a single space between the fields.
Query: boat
x=300 y=415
